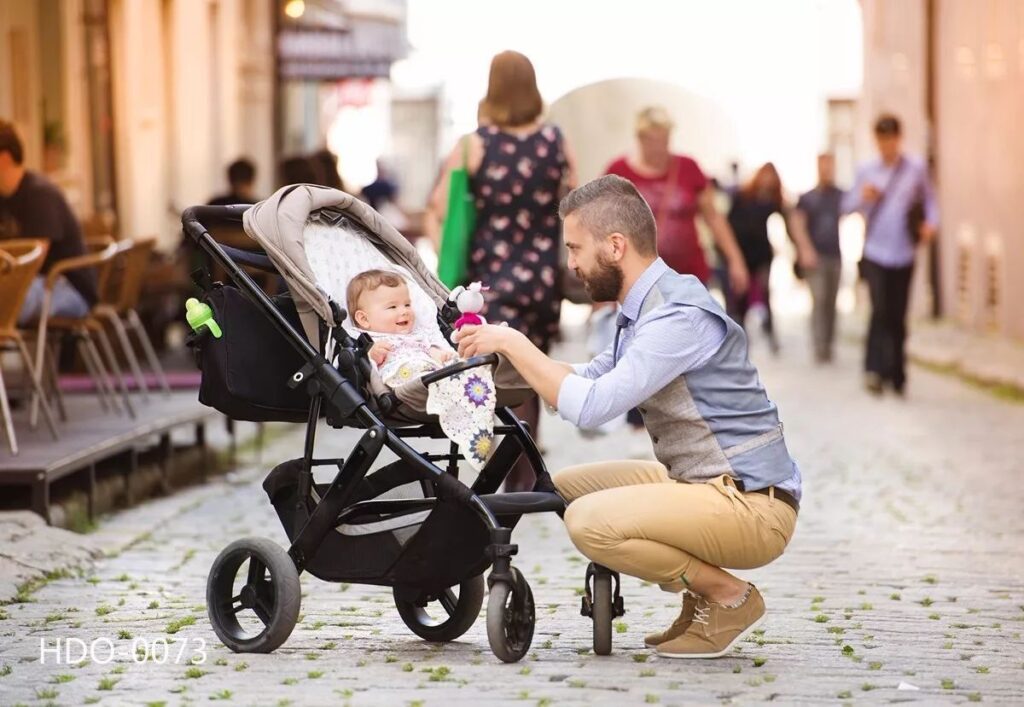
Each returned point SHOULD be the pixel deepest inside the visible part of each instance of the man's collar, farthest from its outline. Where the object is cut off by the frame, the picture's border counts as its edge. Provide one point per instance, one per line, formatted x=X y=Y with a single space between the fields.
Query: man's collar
x=638 y=292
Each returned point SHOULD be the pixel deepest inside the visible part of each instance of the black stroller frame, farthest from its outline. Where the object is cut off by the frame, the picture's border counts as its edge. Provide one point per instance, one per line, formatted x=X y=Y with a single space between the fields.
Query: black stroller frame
x=271 y=588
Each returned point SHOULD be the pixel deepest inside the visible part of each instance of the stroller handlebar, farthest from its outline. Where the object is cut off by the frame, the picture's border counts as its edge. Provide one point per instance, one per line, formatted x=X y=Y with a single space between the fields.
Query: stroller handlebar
x=472 y=362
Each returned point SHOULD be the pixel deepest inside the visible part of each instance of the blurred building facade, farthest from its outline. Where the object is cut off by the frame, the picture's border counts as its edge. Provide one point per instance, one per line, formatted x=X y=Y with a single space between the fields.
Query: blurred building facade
x=954 y=71
x=135 y=107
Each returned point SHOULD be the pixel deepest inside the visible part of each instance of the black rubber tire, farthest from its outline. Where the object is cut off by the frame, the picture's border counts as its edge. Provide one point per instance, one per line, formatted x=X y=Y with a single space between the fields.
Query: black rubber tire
x=275 y=600
x=602 y=613
x=464 y=613
x=511 y=616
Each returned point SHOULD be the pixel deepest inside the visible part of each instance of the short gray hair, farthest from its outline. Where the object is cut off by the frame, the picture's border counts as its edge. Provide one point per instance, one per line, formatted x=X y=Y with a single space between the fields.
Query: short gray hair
x=611 y=204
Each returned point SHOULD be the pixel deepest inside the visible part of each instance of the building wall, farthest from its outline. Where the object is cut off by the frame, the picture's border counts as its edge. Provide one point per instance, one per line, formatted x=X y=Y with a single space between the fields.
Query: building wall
x=980 y=63
x=978 y=71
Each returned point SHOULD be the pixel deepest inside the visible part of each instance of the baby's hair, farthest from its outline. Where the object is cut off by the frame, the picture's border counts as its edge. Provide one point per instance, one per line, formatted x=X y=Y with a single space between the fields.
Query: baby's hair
x=369 y=281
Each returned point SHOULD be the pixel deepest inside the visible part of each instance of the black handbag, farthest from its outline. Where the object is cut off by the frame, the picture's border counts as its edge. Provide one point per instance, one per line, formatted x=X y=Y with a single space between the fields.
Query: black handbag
x=246 y=371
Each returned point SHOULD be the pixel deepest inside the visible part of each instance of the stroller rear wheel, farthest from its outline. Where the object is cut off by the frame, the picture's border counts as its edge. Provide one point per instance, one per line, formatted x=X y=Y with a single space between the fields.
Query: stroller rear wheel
x=511 y=617
x=253 y=612
x=444 y=617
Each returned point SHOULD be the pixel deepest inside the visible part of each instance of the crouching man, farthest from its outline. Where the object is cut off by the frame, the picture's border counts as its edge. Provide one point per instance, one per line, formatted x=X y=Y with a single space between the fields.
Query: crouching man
x=724 y=491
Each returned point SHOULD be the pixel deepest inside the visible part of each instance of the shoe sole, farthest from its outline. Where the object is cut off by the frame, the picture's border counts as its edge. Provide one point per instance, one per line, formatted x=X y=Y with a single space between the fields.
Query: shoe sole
x=743 y=634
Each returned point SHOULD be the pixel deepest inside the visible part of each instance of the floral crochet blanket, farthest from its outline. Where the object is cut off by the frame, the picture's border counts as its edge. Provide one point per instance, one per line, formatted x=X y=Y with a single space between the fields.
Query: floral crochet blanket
x=464 y=404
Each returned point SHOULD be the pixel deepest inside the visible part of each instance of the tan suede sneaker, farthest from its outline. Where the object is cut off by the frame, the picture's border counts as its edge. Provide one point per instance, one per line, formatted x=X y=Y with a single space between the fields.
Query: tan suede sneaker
x=716 y=629
x=679 y=626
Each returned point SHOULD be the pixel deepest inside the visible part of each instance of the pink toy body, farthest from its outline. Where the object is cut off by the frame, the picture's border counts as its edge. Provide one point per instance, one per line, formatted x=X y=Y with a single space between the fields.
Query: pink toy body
x=469 y=318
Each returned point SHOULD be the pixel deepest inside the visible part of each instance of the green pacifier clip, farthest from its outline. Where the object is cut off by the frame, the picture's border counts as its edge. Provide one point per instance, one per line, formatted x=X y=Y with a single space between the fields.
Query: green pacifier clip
x=199 y=314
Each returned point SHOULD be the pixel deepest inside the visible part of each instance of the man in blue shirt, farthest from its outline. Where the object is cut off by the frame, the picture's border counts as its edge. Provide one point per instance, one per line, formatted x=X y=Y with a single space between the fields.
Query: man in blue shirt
x=724 y=491
x=895 y=195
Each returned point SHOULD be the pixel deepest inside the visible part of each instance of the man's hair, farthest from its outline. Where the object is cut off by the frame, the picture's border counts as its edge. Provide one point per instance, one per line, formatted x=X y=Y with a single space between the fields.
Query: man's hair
x=10 y=142
x=367 y=282
x=653 y=117
x=611 y=204
x=240 y=172
x=888 y=124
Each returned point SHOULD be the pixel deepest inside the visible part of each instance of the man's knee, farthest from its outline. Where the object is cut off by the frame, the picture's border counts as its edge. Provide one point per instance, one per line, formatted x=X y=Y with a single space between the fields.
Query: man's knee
x=587 y=525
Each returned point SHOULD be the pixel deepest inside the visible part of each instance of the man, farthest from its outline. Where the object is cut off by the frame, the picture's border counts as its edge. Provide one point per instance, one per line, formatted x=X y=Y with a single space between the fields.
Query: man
x=241 y=182
x=32 y=207
x=889 y=191
x=817 y=214
x=724 y=491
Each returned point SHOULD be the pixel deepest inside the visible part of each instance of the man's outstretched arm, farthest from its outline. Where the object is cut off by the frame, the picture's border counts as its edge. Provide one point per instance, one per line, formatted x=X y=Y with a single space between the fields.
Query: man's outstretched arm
x=542 y=373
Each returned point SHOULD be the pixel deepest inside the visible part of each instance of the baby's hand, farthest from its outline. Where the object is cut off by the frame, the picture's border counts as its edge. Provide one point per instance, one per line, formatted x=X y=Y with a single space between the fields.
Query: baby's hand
x=442 y=355
x=379 y=352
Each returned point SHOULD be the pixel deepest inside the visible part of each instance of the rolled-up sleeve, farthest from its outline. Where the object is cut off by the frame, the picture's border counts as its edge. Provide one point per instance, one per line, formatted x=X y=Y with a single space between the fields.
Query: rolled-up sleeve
x=668 y=342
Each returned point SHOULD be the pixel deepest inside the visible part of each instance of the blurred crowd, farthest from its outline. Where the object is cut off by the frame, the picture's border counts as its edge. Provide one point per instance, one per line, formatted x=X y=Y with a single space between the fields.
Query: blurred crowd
x=520 y=165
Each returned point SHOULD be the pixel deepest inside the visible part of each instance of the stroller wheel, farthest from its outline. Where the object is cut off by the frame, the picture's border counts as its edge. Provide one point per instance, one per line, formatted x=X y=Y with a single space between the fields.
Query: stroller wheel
x=445 y=617
x=253 y=612
x=510 y=618
x=601 y=613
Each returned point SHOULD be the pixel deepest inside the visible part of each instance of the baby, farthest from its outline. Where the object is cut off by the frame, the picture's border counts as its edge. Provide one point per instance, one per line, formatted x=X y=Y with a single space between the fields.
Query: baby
x=379 y=304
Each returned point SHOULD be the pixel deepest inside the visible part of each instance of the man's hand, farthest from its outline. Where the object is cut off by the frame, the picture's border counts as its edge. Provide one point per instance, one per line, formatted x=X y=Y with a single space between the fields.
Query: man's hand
x=379 y=352
x=870 y=193
x=927 y=232
x=808 y=258
x=485 y=339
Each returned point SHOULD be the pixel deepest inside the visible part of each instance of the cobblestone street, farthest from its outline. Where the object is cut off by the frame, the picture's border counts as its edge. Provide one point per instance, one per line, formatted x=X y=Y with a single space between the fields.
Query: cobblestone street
x=907 y=568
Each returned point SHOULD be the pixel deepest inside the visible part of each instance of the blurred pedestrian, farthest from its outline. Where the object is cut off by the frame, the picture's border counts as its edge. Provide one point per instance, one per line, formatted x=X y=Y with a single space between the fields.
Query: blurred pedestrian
x=752 y=206
x=325 y=163
x=31 y=206
x=241 y=184
x=677 y=191
x=519 y=167
x=382 y=195
x=299 y=169
x=895 y=194
x=817 y=214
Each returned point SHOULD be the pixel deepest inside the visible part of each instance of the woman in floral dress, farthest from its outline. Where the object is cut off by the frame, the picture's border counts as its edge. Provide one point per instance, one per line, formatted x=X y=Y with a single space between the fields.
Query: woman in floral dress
x=520 y=167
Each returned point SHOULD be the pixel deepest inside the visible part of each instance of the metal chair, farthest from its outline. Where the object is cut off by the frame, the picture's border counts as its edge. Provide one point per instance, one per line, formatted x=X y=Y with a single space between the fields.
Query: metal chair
x=86 y=330
x=119 y=297
x=20 y=261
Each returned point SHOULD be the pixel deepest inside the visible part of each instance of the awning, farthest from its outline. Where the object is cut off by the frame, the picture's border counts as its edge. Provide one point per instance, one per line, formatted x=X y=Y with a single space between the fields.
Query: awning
x=366 y=49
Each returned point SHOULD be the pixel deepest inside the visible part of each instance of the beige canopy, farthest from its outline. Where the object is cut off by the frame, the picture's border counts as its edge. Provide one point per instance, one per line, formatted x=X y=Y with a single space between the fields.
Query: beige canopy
x=277 y=225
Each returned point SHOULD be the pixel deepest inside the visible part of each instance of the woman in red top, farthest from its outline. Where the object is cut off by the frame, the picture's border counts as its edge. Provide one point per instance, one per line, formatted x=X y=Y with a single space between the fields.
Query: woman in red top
x=676 y=190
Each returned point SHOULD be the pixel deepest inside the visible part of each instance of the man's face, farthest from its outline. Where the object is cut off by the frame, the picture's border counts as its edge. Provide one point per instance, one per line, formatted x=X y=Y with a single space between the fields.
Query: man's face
x=592 y=260
x=888 y=146
x=826 y=169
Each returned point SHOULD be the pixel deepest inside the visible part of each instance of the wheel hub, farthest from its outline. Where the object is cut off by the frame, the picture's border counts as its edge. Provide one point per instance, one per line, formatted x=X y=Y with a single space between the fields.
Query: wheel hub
x=247 y=597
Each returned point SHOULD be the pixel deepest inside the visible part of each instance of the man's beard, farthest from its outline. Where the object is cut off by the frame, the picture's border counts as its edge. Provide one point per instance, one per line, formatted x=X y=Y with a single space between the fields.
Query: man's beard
x=605 y=283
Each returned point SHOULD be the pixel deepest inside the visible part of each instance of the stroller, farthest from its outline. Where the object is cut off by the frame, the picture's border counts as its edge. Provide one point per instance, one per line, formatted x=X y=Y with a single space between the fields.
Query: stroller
x=411 y=524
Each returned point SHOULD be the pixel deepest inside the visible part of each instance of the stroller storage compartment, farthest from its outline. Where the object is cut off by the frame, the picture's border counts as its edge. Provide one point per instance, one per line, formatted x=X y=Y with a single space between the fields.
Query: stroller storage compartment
x=430 y=546
x=246 y=371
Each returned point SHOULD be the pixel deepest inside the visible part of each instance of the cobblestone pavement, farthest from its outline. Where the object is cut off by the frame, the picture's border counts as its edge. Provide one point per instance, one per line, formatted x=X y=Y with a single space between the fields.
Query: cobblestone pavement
x=907 y=567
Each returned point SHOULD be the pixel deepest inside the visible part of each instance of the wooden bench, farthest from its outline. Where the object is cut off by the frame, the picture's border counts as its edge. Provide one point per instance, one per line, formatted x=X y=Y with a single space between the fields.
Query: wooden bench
x=91 y=436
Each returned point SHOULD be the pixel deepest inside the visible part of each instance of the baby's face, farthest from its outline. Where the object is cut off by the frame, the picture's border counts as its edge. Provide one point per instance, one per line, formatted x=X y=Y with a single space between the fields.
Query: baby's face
x=387 y=310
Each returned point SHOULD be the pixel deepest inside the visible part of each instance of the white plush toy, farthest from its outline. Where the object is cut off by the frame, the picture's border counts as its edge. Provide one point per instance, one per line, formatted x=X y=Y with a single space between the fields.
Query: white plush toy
x=470 y=302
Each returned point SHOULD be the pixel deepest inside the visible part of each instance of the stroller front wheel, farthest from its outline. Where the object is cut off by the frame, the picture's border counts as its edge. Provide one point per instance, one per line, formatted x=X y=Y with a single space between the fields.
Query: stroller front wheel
x=254 y=612
x=511 y=616
x=455 y=613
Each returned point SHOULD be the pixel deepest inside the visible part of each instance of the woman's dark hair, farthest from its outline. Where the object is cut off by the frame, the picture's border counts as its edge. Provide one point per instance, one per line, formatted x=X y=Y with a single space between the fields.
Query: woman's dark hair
x=751 y=189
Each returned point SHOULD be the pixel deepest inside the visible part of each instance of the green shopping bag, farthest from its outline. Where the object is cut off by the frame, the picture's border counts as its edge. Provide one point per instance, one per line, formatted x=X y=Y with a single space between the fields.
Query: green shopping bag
x=457 y=229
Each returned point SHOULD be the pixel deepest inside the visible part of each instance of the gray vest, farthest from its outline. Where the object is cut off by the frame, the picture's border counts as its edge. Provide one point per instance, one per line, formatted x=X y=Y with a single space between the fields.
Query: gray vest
x=716 y=419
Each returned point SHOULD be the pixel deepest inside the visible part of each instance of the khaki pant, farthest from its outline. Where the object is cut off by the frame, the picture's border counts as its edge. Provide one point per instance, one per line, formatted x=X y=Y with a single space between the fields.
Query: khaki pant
x=631 y=517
